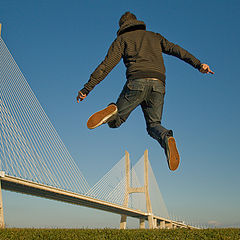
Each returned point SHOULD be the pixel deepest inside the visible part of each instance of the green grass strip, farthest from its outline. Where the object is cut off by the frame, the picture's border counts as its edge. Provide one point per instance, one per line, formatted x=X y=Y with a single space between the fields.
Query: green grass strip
x=115 y=234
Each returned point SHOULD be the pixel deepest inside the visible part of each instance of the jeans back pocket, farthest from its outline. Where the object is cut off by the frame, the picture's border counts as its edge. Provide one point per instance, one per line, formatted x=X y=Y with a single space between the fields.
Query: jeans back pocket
x=133 y=90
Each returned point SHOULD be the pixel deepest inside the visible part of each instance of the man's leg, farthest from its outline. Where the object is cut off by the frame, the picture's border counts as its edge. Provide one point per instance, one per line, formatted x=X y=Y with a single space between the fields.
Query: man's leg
x=115 y=114
x=152 y=108
x=131 y=96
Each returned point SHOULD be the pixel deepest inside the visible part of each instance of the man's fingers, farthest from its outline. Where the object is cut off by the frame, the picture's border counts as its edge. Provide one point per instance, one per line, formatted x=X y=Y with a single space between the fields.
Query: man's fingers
x=209 y=70
x=206 y=69
x=81 y=96
x=203 y=70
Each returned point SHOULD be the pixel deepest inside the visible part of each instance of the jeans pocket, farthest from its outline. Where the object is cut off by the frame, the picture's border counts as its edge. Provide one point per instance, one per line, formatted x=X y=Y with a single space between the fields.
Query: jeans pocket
x=159 y=88
x=157 y=96
x=133 y=91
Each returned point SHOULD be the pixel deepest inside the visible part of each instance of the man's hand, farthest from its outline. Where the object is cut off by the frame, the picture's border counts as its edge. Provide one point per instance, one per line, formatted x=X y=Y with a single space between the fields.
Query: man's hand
x=81 y=96
x=205 y=69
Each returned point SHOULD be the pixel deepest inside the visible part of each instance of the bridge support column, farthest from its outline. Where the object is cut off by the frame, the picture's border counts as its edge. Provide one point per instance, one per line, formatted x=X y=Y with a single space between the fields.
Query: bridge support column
x=157 y=224
x=1 y=205
x=162 y=225
x=148 y=202
x=154 y=223
x=150 y=221
x=169 y=225
x=142 y=223
x=123 y=223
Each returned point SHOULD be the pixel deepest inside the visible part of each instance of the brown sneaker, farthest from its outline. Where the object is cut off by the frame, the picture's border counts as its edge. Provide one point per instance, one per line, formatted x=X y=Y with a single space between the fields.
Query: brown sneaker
x=102 y=116
x=172 y=154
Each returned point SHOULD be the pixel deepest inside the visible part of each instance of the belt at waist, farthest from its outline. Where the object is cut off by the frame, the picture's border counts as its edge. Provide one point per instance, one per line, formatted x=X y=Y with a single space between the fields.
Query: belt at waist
x=156 y=79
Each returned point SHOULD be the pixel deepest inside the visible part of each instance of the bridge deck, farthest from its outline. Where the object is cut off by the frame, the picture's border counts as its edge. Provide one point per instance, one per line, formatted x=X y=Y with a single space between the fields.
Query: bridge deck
x=40 y=190
x=36 y=189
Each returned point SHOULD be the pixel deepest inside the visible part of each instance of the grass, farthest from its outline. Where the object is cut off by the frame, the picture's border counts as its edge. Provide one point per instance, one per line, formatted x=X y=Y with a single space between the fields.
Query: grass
x=114 y=234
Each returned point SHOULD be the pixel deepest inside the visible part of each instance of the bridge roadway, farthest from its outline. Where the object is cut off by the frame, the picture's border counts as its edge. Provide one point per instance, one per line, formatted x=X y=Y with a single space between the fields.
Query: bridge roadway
x=36 y=189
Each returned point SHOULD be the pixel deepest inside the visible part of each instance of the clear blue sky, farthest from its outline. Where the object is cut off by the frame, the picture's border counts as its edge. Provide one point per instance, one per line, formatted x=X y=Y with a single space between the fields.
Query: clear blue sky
x=57 y=44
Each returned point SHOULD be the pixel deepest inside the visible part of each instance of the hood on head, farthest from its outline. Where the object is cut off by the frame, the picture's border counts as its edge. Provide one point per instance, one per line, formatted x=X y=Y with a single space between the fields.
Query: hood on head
x=131 y=25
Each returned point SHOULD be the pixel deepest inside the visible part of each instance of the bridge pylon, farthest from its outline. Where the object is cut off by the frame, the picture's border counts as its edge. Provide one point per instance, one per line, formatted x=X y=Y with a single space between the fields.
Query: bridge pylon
x=145 y=189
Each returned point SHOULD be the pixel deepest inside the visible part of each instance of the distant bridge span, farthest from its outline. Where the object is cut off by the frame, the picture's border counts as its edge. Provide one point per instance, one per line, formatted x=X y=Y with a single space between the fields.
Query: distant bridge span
x=40 y=190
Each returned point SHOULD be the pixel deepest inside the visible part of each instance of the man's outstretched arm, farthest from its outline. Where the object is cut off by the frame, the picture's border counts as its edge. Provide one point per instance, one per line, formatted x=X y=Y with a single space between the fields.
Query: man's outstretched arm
x=113 y=57
x=179 y=52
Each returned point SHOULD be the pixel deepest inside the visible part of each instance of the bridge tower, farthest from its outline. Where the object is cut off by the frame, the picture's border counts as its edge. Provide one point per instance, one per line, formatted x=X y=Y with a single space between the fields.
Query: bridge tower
x=130 y=190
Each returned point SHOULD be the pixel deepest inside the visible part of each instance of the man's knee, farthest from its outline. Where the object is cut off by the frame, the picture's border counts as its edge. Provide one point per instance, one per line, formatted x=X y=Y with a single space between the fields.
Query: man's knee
x=157 y=131
x=149 y=131
x=113 y=125
x=151 y=127
x=116 y=123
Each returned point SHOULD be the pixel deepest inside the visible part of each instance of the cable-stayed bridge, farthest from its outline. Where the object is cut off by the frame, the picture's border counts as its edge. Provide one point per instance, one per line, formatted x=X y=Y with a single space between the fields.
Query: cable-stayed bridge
x=35 y=161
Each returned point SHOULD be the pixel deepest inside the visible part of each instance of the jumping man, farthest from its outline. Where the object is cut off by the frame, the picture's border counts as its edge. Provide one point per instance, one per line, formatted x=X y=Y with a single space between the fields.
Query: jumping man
x=141 y=51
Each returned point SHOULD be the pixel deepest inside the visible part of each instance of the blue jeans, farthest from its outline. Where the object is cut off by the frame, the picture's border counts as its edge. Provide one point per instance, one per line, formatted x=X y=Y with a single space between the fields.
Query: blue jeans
x=149 y=94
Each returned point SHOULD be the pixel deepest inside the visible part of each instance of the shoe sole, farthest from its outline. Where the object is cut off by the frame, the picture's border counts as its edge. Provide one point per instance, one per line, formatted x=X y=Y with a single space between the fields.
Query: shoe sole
x=101 y=117
x=174 y=155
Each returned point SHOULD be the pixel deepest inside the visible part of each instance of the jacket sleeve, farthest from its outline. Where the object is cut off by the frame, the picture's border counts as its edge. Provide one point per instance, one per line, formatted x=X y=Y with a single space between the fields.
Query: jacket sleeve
x=112 y=58
x=177 y=51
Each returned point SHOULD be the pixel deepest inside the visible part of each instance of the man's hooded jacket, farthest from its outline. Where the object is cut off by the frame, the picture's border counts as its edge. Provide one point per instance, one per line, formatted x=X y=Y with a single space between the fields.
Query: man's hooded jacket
x=141 y=51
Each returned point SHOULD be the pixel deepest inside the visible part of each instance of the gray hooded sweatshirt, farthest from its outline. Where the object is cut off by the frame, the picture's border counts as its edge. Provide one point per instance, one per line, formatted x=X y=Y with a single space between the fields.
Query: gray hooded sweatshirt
x=141 y=52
